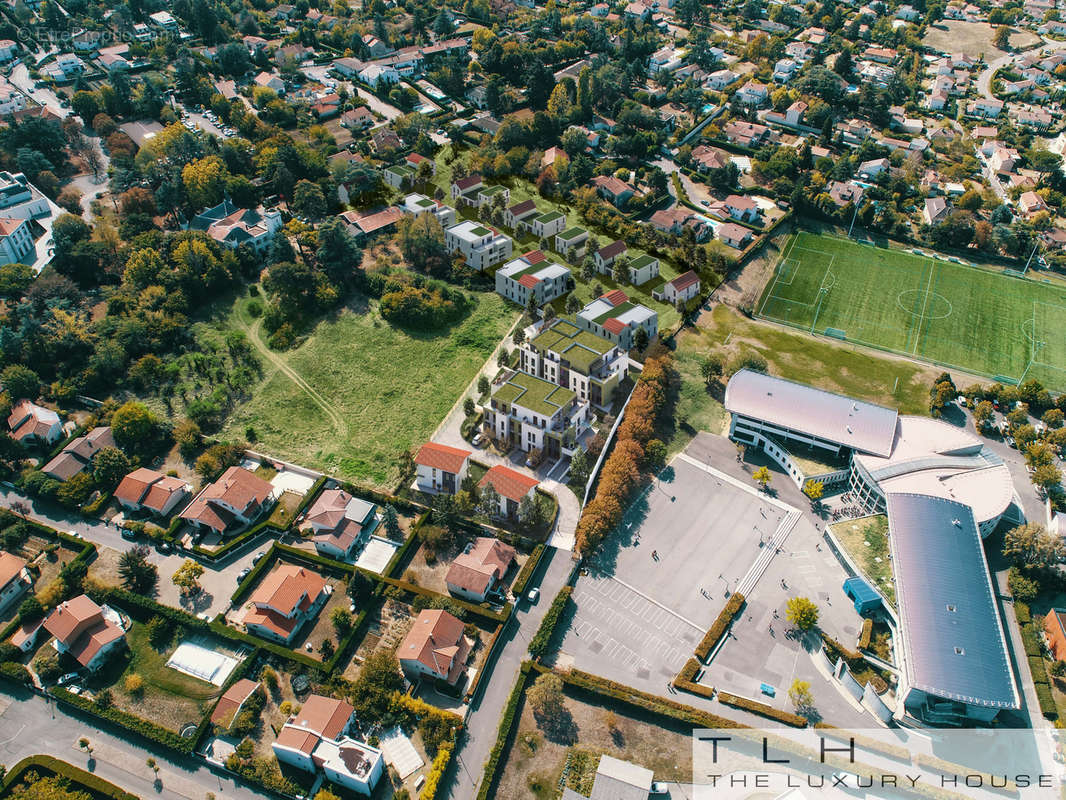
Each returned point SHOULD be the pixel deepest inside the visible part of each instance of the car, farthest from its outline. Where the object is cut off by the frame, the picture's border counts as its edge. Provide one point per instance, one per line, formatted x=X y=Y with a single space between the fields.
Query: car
x=129 y=533
x=75 y=534
x=165 y=547
x=68 y=678
x=1010 y=441
x=705 y=203
x=533 y=596
x=660 y=787
x=478 y=440
x=259 y=557
x=244 y=573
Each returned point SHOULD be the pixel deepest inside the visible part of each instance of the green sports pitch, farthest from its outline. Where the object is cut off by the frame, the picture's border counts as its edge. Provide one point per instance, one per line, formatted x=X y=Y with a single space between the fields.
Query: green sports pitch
x=981 y=321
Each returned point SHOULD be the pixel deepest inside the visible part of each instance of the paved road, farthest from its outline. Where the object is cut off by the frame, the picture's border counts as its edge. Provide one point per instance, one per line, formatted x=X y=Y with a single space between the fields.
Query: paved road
x=20 y=77
x=388 y=112
x=31 y=725
x=90 y=187
x=483 y=722
x=218 y=583
x=984 y=80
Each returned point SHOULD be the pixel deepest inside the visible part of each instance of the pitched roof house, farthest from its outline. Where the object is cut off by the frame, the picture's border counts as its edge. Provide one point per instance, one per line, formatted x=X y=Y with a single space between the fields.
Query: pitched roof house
x=235 y=499
x=286 y=598
x=512 y=487
x=232 y=701
x=441 y=468
x=14 y=579
x=340 y=522
x=85 y=631
x=435 y=647
x=79 y=454
x=32 y=424
x=148 y=489
x=477 y=571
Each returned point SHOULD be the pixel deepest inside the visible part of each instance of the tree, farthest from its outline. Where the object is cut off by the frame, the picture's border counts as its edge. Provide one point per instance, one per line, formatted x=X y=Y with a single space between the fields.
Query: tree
x=983 y=414
x=1046 y=476
x=1031 y=545
x=338 y=254
x=1053 y=418
x=137 y=573
x=1001 y=38
x=391 y=521
x=309 y=201
x=545 y=696
x=205 y=181
x=802 y=612
x=640 y=339
x=342 y=620
x=20 y=382
x=325 y=794
x=814 y=491
x=187 y=577
x=134 y=684
x=762 y=476
x=109 y=467
x=133 y=425
x=711 y=368
x=800 y=695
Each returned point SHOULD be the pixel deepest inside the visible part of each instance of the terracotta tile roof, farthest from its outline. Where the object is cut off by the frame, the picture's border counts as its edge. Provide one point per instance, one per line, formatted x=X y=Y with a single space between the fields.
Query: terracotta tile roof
x=613 y=325
x=523 y=207
x=287 y=587
x=79 y=624
x=616 y=297
x=508 y=482
x=11 y=567
x=612 y=250
x=534 y=256
x=230 y=703
x=436 y=640
x=237 y=488
x=296 y=739
x=465 y=183
x=8 y=225
x=442 y=457
x=488 y=560
x=77 y=455
x=529 y=281
x=682 y=282
x=326 y=716
x=29 y=419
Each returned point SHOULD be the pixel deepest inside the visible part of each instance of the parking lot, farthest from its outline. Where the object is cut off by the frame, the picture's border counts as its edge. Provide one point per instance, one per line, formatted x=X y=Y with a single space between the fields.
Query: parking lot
x=700 y=531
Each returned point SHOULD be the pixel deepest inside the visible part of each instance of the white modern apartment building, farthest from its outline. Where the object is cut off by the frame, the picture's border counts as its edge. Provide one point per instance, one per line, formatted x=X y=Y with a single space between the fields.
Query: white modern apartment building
x=534 y=414
x=481 y=247
x=416 y=205
x=532 y=275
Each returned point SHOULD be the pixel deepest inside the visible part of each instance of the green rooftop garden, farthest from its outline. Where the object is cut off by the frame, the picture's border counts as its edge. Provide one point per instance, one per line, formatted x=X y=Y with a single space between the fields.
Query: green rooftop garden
x=539 y=396
x=572 y=233
x=549 y=216
x=480 y=230
x=641 y=261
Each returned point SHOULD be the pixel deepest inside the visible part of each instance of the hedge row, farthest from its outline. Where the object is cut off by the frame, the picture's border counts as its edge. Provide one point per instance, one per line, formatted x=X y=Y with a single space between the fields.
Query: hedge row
x=684 y=681
x=226 y=632
x=116 y=595
x=720 y=626
x=1031 y=641
x=483 y=672
x=518 y=588
x=508 y=722
x=149 y=730
x=252 y=578
x=497 y=617
x=836 y=649
x=1046 y=701
x=762 y=709
x=1037 y=669
x=92 y=508
x=436 y=772
x=542 y=638
x=1021 y=611
x=79 y=778
x=867 y=633
x=412 y=540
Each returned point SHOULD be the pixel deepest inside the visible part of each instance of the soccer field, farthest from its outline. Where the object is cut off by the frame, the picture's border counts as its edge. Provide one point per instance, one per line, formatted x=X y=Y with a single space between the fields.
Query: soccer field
x=951 y=314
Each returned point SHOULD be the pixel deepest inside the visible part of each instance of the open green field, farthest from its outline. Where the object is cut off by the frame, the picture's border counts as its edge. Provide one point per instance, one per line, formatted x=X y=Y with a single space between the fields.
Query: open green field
x=359 y=391
x=976 y=320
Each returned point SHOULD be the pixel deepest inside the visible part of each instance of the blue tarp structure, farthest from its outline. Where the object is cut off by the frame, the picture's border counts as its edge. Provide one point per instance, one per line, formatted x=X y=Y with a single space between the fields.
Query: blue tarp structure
x=862 y=594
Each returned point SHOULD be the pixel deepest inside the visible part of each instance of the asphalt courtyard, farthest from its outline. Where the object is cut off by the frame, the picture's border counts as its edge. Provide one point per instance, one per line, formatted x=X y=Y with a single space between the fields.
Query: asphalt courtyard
x=646 y=602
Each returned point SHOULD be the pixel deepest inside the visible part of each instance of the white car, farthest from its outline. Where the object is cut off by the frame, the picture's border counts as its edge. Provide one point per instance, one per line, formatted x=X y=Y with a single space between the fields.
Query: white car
x=533 y=596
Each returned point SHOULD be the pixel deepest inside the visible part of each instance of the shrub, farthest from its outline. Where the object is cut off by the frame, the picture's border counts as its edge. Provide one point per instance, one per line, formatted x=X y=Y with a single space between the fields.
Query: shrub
x=720 y=626
x=1037 y=668
x=867 y=632
x=684 y=680
x=1022 y=613
x=1031 y=642
x=1047 y=701
x=762 y=709
x=436 y=772
x=542 y=638
x=134 y=684
x=518 y=588
x=503 y=734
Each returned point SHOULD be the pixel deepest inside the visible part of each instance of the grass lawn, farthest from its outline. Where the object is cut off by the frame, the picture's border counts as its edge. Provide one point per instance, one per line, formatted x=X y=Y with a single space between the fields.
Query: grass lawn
x=822 y=363
x=974 y=39
x=866 y=541
x=169 y=698
x=285 y=510
x=534 y=764
x=358 y=392
x=524 y=190
x=973 y=319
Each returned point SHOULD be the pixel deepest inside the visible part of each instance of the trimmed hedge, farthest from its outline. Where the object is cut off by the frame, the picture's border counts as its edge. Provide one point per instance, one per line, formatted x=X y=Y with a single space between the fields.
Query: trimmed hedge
x=762 y=709
x=867 y=633
x=1037 y=669
x=1022 y=613
x=79 y=778
x=518 y=588
x=436 y=772
x=542 y=638
x=1046 y=701
x=684 y=681
x=412 y=540
x=250 y=580
x=508 y=722
x=90 y=509
x=720 y=626
x=235 y=543
x=1031 y=641
x=148 y=607
x=149 y=730
x=498 y=617
x=483 y=672
x=226 y=632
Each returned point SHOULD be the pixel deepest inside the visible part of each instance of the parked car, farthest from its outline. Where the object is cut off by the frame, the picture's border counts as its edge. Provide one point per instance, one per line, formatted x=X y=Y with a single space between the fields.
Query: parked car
x=478 y=440
x=258 y=557
x=660 y=787
x=128 y=533
x=244 y=573
x=534 y=596
x=68 y=678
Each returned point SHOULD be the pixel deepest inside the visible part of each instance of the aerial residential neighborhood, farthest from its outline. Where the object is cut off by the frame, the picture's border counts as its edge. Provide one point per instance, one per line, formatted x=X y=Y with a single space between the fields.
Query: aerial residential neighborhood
x=486 y=400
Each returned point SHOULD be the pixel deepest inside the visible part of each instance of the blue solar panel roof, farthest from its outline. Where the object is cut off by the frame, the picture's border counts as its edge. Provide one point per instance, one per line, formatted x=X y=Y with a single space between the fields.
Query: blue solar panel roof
x=953 y=642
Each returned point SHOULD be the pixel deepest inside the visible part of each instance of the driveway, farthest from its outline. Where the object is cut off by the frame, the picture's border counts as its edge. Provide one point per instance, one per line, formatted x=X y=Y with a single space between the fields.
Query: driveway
x=218 y=582
x=483 y=721
x=697 y=192
x=380 y=106
x=984 y=80
x=20 y=77
x=89 y=186
x=32 y=725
